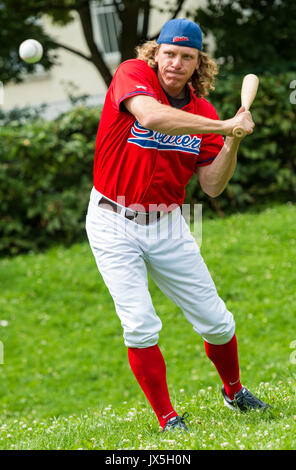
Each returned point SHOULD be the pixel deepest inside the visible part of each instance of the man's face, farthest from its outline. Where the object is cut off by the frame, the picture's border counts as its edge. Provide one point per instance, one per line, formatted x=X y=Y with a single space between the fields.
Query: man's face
x=176 y=64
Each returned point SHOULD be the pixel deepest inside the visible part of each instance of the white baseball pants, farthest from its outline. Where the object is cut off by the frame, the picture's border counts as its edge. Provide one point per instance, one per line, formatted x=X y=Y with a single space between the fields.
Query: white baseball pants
x=124 y=251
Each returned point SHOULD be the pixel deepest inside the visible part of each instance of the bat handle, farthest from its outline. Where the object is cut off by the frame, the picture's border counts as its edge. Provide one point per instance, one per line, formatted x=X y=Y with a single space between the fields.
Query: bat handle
x=238 y=132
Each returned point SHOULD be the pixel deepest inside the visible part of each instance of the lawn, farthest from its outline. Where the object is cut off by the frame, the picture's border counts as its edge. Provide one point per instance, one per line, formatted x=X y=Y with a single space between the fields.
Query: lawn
x=66 y=381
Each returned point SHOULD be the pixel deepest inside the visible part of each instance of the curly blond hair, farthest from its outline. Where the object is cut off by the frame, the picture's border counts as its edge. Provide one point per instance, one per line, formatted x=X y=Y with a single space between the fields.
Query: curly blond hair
x=202 y=79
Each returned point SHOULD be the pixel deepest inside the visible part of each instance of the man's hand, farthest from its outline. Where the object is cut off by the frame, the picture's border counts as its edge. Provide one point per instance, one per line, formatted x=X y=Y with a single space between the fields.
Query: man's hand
x=242 y=119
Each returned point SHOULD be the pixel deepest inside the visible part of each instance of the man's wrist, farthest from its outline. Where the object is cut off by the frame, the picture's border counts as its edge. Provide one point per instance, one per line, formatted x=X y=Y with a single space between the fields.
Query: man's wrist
x=232 y=142
x=226 y=128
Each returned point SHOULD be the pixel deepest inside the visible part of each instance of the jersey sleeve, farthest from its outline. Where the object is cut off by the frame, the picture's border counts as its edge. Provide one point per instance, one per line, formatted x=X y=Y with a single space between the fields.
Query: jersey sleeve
x=211 y=143
x=133 y=77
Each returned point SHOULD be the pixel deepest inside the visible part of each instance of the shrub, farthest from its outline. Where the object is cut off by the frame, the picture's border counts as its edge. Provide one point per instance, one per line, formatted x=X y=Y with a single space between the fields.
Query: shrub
x=266 y=165
x=46 y=167
x=45 y=180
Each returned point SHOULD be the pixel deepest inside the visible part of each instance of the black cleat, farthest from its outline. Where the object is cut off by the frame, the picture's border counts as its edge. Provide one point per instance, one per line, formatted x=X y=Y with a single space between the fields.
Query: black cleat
x=178 y=422
x=244 y=400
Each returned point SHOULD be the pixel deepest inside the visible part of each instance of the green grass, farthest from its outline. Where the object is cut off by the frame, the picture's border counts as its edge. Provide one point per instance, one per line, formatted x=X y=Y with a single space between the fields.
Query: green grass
x=66 y=382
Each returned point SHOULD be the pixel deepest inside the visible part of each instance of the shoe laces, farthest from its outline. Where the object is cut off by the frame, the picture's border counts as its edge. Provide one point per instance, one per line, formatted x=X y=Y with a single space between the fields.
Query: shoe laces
x=179 y=419
x=184 y=417
x=246 y=398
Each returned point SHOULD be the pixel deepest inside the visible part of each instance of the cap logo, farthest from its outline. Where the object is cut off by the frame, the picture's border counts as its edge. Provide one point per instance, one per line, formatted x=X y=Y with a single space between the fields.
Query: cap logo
x=180 y=38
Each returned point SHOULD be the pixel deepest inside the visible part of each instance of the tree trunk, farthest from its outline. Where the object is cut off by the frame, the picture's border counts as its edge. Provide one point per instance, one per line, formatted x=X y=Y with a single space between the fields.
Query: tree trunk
x=96 y=56
x=129 y=34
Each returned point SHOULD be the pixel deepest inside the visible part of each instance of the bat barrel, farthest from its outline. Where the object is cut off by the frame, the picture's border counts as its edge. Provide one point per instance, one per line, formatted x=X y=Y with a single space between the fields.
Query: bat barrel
x=248 y=93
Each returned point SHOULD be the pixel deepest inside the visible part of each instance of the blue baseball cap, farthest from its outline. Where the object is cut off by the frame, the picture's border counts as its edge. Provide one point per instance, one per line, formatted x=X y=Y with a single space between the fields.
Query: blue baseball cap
x=181 y=32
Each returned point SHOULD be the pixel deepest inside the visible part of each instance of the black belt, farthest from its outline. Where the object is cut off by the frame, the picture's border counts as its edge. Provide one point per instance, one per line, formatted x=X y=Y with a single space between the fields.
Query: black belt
x=142 y=218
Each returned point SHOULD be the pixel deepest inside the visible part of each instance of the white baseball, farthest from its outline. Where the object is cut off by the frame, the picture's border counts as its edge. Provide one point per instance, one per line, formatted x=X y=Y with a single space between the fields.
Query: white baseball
x=31 y=51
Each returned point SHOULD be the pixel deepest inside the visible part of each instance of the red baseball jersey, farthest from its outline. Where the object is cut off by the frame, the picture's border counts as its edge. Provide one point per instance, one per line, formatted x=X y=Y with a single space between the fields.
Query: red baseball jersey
x=135 y=165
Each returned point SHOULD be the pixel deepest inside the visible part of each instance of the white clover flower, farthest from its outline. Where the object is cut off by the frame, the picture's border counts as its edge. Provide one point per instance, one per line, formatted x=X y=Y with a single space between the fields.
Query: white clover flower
x=224 y=444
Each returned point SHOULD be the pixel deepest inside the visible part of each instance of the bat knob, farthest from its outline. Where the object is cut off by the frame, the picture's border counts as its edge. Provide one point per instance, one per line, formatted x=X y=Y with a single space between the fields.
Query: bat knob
x=238 y=132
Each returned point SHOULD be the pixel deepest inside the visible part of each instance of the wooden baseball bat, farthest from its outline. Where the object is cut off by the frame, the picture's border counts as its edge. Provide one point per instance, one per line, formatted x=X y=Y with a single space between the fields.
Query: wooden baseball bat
x=248 y=92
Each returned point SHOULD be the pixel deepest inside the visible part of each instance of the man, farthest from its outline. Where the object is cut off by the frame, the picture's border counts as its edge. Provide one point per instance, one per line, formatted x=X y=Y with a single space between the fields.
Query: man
x=156 y=130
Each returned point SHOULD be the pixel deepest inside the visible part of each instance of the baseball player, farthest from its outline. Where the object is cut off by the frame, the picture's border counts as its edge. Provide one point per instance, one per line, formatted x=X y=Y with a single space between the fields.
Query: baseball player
x=156 y=131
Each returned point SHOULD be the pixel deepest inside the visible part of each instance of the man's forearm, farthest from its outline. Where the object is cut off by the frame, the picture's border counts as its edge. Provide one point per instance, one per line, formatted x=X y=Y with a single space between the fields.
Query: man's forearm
x=168 y=120
x=172 y=121
x=214 y=178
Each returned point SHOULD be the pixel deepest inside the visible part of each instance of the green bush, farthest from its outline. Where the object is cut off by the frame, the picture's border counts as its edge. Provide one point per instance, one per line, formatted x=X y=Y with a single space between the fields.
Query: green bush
x=266 y=165
x=46 y=167
x=23 y=115
x=45 y=180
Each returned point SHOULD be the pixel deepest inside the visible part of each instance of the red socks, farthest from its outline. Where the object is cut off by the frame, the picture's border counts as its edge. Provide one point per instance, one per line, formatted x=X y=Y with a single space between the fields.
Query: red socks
x=225 y=359
x=149 y=369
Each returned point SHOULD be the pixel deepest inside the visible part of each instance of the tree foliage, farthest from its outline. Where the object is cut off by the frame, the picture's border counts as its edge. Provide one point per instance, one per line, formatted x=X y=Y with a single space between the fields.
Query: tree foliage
x=15 y=28
x=256 y=34
x=249 y=34
x=22 y=20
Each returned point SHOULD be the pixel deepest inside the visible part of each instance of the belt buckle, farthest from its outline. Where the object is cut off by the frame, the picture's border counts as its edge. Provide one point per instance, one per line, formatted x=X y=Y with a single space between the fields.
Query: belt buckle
x=134 y=215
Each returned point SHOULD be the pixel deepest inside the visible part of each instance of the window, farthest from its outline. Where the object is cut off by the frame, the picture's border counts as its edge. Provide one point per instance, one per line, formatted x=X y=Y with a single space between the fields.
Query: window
x=107 y=27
